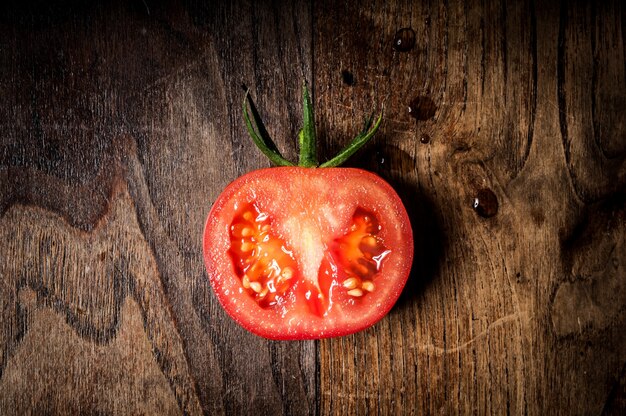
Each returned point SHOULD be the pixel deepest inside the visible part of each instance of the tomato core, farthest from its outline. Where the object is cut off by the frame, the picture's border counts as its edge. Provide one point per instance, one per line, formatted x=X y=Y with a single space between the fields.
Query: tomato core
x=269 y=272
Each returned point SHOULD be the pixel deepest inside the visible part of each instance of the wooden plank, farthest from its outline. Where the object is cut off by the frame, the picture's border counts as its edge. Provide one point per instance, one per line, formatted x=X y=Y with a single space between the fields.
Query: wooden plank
x=121 y=123
x=508 y=313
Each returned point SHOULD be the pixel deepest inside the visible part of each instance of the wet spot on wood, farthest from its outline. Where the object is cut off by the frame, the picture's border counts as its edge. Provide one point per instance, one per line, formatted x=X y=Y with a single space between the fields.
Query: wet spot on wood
x=422 y=108
x=485 y=203
x=404 y=40
x=348 y=78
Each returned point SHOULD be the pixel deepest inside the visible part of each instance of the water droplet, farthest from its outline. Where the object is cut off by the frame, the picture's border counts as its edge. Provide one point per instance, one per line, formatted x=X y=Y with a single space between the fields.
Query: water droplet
x=485 y=203
x=422 y=108
x=348 y=78
x=425 y=138
x=404 y=40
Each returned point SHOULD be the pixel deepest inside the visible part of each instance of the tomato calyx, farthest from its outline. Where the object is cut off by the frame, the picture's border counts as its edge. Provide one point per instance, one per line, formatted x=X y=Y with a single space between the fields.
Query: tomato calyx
x=306 y=137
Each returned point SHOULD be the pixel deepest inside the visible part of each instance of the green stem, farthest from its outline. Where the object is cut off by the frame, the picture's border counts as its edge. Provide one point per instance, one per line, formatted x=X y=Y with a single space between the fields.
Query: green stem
x=262 y=139
x=359 y=141
x=306 y=137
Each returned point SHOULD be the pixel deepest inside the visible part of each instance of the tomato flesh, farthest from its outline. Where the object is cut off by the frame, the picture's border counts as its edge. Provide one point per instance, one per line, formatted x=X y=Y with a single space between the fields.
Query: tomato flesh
x=301 y=253
x=267 y=268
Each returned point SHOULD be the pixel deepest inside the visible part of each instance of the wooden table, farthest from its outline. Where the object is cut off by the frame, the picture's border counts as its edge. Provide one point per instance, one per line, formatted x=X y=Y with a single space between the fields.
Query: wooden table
x=121 y=123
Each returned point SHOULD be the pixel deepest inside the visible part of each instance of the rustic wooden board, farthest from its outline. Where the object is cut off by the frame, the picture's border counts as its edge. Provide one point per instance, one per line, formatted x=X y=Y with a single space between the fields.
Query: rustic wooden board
x=120 y=124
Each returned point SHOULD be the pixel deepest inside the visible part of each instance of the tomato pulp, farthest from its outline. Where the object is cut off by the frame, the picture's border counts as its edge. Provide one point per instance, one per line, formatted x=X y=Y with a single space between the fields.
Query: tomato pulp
x=308 y=253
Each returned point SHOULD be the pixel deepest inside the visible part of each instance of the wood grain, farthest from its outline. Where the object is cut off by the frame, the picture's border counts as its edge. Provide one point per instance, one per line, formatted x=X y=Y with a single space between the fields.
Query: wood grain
x=121 y=124
x=506 y=316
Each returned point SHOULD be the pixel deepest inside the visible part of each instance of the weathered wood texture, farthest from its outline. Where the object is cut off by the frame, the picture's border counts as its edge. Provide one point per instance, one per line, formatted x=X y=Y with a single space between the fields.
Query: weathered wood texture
x=120 y=124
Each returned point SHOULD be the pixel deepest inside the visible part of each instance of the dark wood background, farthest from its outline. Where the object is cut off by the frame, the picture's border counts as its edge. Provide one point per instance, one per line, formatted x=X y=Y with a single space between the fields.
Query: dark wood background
x=120 y=123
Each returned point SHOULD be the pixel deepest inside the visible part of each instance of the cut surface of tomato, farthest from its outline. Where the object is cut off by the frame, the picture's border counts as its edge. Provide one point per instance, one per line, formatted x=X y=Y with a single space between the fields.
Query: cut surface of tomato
x=307 y=253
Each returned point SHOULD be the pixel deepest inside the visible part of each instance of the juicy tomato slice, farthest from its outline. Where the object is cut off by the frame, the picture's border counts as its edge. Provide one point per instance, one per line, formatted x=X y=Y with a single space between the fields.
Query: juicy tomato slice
x=308 y=253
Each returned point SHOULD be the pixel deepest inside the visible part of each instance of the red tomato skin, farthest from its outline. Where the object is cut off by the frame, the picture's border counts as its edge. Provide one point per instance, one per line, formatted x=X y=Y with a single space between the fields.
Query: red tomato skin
x=284 y=191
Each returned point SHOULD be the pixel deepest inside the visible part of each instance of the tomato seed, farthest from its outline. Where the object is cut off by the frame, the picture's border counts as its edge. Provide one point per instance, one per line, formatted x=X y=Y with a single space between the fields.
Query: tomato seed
x=245 y=281
x=351 y=283
x=237 y=230
x=369 y=241
x=287 y=273
x=368 y=286
x=248 y=216
x=357 y=293
x=247 y=246
x=256 y=286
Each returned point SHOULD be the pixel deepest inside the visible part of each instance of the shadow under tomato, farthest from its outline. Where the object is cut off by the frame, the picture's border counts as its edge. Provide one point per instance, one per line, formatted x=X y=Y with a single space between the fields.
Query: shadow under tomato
x=397 y=167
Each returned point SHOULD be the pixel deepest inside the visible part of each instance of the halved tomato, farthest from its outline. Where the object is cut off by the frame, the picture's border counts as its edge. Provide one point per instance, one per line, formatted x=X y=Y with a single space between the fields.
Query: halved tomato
x=307 y=252
x=302 y=253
